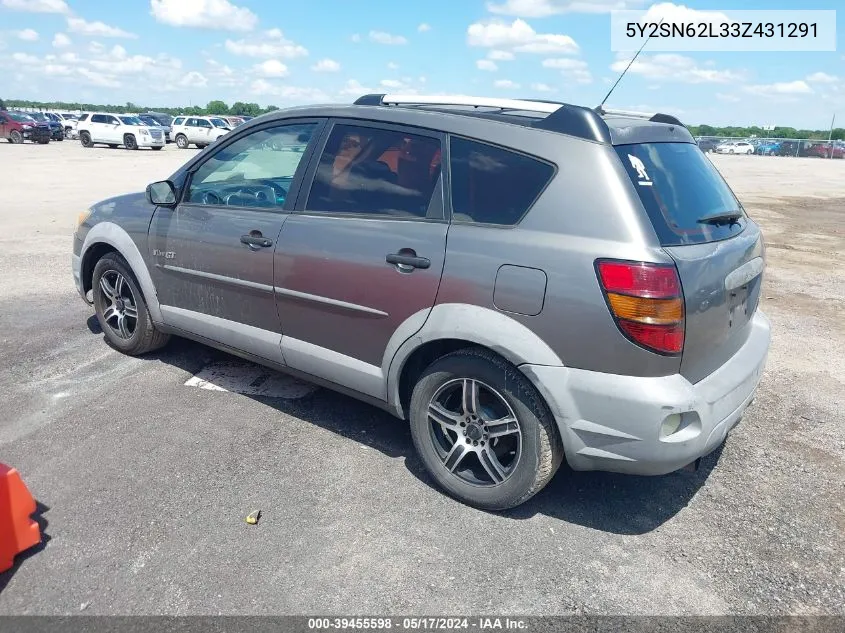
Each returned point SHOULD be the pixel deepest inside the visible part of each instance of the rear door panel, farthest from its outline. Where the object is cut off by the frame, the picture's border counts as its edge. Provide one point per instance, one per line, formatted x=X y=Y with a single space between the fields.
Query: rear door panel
x=721 y=282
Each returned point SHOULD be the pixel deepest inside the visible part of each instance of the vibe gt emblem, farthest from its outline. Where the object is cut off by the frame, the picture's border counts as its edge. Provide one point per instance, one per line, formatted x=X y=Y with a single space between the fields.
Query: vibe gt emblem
x=165 y=254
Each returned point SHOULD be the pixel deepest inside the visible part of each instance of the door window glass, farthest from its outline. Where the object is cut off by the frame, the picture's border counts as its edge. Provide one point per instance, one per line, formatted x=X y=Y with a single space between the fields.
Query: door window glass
x=255 y=171
x=376 y=171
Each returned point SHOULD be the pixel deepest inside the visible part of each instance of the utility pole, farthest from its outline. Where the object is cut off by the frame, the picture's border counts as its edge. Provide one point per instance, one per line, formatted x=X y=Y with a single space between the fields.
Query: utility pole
x=830 y=136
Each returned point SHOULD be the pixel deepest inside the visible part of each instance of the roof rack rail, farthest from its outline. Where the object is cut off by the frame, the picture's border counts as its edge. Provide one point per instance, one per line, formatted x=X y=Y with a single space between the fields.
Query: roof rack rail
x=656 y=117
x=459 y=100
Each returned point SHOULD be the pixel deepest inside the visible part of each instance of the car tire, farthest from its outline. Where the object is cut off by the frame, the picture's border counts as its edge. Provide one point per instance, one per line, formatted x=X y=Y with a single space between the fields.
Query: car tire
x=526 y=451
x=44 y=141
x=157 y=147
x=85 y=140
x=129 y=142
x=15 y=137
x=117 y=297
x=60 y=138
x=182 y=141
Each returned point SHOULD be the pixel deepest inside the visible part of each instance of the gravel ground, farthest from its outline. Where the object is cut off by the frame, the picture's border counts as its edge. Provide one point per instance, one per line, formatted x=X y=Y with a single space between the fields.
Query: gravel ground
x=144 y=482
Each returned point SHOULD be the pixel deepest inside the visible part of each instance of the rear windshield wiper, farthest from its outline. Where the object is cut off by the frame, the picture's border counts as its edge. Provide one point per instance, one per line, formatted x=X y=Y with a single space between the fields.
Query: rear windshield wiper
x=727 y=217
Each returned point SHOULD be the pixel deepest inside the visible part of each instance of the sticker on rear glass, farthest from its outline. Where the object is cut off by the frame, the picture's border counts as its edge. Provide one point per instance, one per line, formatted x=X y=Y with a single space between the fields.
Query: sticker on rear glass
x=642 y=174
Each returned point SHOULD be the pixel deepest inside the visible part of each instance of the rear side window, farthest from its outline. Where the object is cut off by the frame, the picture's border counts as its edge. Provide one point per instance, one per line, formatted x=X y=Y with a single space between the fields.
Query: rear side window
x=679 y=186
x=178 y=121
x=367 y=170
x=491 y=185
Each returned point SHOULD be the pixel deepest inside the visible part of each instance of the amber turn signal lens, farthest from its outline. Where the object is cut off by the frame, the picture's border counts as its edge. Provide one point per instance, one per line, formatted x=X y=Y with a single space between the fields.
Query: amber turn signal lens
x=642 y=310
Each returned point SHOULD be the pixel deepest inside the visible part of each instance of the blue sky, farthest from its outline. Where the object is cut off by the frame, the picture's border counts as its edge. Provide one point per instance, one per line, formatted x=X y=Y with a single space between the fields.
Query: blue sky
x=289 y=52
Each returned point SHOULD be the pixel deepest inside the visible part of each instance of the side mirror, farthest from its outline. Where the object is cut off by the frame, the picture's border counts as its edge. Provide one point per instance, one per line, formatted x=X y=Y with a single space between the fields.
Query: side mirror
x=162 y=194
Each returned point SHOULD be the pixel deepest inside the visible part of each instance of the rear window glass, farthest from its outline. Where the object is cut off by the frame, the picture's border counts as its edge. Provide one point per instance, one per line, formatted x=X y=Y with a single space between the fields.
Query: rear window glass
x=678 y=186
x=491 y=185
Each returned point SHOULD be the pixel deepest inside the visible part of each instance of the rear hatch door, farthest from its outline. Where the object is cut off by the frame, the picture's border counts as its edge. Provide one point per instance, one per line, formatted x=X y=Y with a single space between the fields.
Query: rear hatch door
x=717 y=248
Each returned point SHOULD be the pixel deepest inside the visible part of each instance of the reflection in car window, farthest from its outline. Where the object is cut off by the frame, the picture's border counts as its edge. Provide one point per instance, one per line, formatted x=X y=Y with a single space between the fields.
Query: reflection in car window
x=375 y=171
x=131 y=120
x=254 y=171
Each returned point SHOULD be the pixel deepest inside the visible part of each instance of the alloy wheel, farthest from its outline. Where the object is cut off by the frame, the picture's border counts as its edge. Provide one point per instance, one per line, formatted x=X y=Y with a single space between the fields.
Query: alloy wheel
x=475 y=432
x=120 y=309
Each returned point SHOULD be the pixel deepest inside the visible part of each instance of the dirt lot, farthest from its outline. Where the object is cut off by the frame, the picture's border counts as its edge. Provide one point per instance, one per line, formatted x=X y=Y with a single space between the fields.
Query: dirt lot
x=145 y=480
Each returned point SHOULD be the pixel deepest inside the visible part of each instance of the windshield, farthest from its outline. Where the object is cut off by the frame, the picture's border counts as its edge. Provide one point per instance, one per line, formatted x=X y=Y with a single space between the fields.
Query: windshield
x=678 y=186
x=219 y=123
x=69 y=116
x=131 y=120
x=148 y=120
x=39 y=116
x=21 y=118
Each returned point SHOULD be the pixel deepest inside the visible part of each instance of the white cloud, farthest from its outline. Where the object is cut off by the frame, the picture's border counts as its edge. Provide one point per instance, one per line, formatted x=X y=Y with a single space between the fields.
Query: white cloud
x=37 y=6
x=98 y=79
x=727 y=98
x=518 y=37
x=672 y=67
x=672 y=13
x=575 y=69
x=380 y=37
x=424 y=28
x=288 y=93
x=354 y=88
x=545 y=8
x=272 y=68
x=501 y=56
x=93 y=47
x=70 y=58
x=822 y=78
x=393 y=66
x=507 y=84
x=204 y=14
x=96 y=29
x=486 y=64
x=25 y=58
x=57 y=70
x=194 y=79
x=542 y=88
x=273 y=44
x=28 y=35
x=392 y=83
x=61 y=41
x=780 y=88
x=326 y=66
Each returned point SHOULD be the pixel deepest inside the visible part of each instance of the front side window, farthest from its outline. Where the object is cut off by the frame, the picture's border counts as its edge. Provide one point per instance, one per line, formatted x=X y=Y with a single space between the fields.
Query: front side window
x=131 y=120
x=366 y=170
x=491 y=185
x=257 y=170
x=203 y=123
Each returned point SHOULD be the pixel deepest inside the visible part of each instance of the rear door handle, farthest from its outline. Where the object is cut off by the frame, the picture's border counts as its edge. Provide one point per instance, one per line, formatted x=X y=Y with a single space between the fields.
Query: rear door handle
x=408 y=261
x=256 y=240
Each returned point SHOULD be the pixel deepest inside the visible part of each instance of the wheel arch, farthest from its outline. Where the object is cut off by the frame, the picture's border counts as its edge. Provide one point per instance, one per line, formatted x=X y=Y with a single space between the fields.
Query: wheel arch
x=107 y=237
x=450 y=327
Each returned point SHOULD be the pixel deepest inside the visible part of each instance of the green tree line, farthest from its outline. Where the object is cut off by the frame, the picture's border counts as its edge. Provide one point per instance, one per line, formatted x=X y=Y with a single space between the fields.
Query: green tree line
x=218 y=107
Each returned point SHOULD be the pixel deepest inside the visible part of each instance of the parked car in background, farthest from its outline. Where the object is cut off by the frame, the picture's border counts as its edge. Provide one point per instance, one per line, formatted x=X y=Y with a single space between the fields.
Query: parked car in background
x=835 y=149
x=508 y=351
x=151 y=122
x=235 y=121
x=768 y=148
x=57 y=130
x=162 y=119
x=735 y=147
x=708 y=144
x=196 y=130
x=119 y=129
x=17 y=127
x=68 y=122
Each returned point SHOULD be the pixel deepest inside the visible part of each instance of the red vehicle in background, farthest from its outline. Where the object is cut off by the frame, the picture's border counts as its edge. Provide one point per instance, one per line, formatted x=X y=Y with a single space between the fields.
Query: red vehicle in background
x=835 y=149
x=17 y=127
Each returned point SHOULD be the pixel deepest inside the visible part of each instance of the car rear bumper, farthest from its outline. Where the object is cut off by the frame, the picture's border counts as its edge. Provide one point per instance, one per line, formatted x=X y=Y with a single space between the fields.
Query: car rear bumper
x=612 y=422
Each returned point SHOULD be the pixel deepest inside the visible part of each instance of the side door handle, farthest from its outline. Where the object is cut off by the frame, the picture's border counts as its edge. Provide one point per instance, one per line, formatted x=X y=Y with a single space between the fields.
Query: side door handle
x=407 y=260
x=258 y=240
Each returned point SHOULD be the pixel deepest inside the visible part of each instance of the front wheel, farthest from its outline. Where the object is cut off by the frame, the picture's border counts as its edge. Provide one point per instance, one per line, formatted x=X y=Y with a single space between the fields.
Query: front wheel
x=482 y=430
x=121 y=309
x=85 y=140
x=129 y=142
x=15 y=137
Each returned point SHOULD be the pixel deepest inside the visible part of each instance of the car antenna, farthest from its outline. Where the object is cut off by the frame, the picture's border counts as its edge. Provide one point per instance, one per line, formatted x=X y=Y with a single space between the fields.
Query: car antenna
x=631 y=63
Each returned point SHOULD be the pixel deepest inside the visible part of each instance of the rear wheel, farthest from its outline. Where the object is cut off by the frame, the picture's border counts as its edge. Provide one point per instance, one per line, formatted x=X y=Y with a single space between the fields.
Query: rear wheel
x=15 y=137
x=85 y=139
x=129 y=141
x=181 y=141
x=121 y=309
x=482 y=430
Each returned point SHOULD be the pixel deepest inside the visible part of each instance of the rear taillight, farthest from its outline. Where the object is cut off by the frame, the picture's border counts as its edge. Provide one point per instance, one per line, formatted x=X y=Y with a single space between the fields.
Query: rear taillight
x=647 y=302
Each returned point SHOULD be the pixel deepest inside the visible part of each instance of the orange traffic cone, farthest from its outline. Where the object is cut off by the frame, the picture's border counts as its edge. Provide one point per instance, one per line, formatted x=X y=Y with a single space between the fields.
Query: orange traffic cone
x=18 y=532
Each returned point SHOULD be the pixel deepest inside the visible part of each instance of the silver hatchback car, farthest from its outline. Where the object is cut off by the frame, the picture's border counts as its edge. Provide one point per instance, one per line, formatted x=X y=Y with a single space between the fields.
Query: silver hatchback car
x=524 y=281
